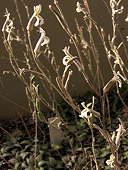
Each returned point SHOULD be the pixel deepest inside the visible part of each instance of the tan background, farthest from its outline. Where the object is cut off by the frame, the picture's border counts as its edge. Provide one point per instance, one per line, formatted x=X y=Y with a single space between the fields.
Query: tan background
x=12 y=93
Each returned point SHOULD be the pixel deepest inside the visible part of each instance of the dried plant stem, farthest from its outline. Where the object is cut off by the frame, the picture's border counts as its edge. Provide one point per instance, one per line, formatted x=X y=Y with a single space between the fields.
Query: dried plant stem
x=59 y=15
x=83 y=69
x=112 y=145
x=36 y=137
x=13 y=62
x=25 y=125
x=21 y=24
x=93 y=147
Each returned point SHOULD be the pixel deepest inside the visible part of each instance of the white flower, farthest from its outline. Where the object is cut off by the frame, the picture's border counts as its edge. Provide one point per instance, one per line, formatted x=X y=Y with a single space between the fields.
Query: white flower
x=37 y=10
x=118 y=77
x=38 y=19
x=9 y=28
x=46 y=41
x=115 y=6
x=127 y=36
x=67 y=60
x=119 y=11
x=66 y=50
x=120 y=131
x=89 y=112
x=43 y=40
x=110 y=162
x=86 y=112
x=8 y=24
x=70 y=59
x=7 y=21
x=126 y=19
x=78 y=9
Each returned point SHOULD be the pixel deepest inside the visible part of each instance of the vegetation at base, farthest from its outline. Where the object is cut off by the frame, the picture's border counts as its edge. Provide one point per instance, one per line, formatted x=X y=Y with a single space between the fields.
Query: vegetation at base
x=17 y=146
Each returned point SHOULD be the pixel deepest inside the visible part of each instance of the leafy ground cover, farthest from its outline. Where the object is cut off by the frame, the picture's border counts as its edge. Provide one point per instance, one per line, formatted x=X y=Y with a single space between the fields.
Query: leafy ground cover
x=17 y=144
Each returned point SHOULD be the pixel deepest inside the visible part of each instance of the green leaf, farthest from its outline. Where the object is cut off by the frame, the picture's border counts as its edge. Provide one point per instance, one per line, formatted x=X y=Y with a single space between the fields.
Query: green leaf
x=6 y=155
x=25 y=142
x=17 y=166
x=52 y=161
x=24 y=154
x=42 y=163
x=41 y=168
x=23 y=165
x=41 y=116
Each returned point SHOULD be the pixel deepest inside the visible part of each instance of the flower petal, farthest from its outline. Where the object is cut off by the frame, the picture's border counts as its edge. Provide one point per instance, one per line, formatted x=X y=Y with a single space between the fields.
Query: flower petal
x=46 y=41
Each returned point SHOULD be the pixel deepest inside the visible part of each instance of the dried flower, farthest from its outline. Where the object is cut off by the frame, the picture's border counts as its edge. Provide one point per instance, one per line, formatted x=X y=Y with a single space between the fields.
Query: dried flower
x=36 y=19
x=113 y=136
x=115 y=55
x=127 y=38
x=46 y=41
x=8 y=24
x=116 y=8
x=126 y=19
x=88 y=112
x=84 y=10
x=8 y=27
x=110 y=162
x=119 y=11
x=70 y=59
x=85 y=113
x=78 y=9
x=7 y=21
x=67 y=60
x=43 y=40
x=117 y=78
x=120 y=131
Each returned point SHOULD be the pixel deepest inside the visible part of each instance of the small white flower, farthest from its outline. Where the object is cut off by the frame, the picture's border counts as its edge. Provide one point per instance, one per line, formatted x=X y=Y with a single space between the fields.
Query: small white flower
x=126 y=19
x=110 y=162
x=89 y=112
x=9 y=28
x=7 y=15
x=43 y=40
x=39 y=21
x=86 y=112
x=118 y=77
x=35 y=19
x=46 y=41
x=115 y=7
x=37 y=10
x=119 y=11
x=66 y=60
x=42 y=31
x=8 y=25
x=66 y=50
x=78 y=9
x=120 y=131
x=70 y=59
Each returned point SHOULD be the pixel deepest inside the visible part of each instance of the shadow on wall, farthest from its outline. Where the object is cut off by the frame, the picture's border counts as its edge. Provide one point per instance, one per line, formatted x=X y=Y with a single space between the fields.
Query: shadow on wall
x=12 y=92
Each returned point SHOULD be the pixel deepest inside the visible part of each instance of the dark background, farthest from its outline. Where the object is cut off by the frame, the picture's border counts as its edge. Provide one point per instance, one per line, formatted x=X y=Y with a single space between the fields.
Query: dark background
x=12 y=92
